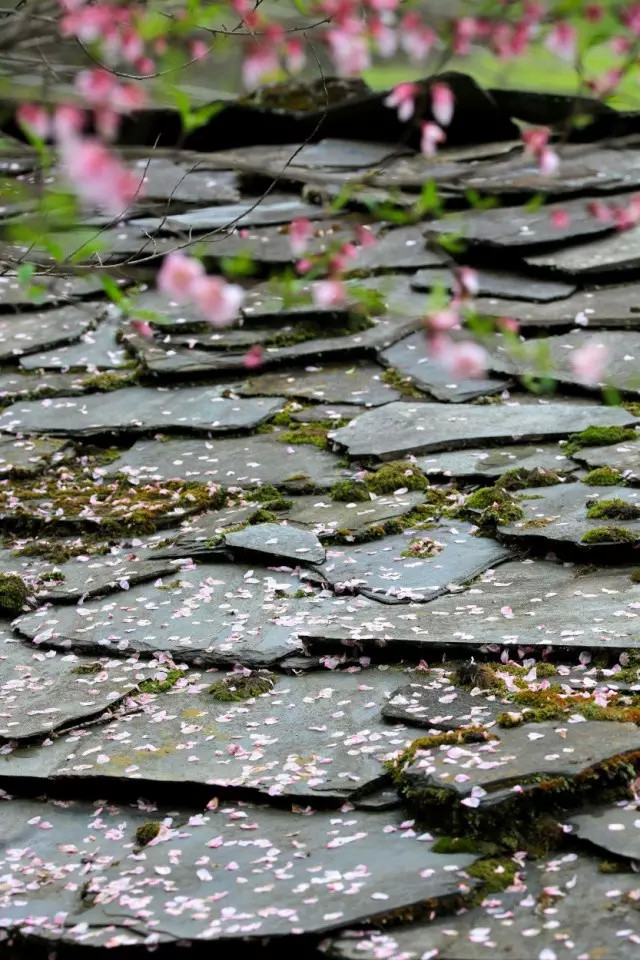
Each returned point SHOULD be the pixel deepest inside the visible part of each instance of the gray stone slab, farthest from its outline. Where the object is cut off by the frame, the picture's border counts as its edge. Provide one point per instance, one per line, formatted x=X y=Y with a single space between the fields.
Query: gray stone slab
x=401 y=248
x=439 y=705
x=341 y=854
x=325 y=517
x=97 y=576
x=492 y=463
x=400 y=428
x=622 y=349
x=201 y=535
x=411 y=358
x=216 y=613
x=239 y=462
x=361 y=383
x=496 y=283
x=610 y=306
x=314 y=736
x=522 y=604
x=50 y=290
x=41 y=693
x=31 y=332
x=30 y=455
x=510 y=227
x=322 y=412
x=97 y=350
x=251 y=211
x=380 y=570
x=15 y=384
x=277 y=542
x=520 y=757
x=614 y=828
x=624 y=457
x=615 y=254
x=565 y=508
x=187 y=181
x=139 y=410
x=590 y=915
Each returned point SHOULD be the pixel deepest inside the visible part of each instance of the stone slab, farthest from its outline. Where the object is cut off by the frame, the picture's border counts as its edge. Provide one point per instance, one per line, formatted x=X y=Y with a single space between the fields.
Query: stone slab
x=611 y=306
x=610 y=255
x=624 y=457
x=277 y=543
x=491 y=463
x=400 y=428
x=325 y=517
x=97 y=350
x=239 y=462
x=614 y=828
x=381 y=571
x=30 y=456
x=50 y=290
x=496 y=283
x=437 y=704
x=138 y=410
x=42 y=330
x=186 y=181
x=411 y=358
x=251 y=211
x=360 y=383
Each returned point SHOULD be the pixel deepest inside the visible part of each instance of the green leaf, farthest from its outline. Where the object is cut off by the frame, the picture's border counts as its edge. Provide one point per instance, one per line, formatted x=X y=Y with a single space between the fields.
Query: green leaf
x=24 y=273
x=112 y=290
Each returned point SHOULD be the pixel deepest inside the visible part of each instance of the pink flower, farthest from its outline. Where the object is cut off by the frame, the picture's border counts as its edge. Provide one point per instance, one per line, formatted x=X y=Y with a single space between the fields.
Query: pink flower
x=466 y=29
x=588 y=363
x=467 y=280
x=442 y=103
x=560 y=219
x=107 y=122
x=143 y=328
x=348 y=48
x=600 y=210
x=549 y=162
x=561 y=40
x=199 y=49
x=217 y=300
x=328 y=293
x=466 y=359
x=403 y=98
x=384 y=37
x=365 y=236
x=441 y=320
x=432 y=135
x=260 y=62
x=96 y=86
x=294 y=55
x=536 y=140
x=253 y=357
x=34 y=118
x=178 y=275
x=382 y=5
x=98 y=176
x=68 y=121
x=415 y=39
x=300 y=232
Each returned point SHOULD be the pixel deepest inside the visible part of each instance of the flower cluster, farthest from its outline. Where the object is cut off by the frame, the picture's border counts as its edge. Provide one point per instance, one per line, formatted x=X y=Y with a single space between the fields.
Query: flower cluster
x=184 y=280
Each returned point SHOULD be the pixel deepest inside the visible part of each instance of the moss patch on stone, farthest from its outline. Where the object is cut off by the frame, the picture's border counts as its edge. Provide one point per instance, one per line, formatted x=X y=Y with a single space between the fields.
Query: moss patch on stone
x=613 y=510
x=147 y=832
x=88 y=669
x=609 y=535
x=315 y=434
x=604 y=477
x=405 y=385
x=14 y=593
x=161 y=686
x=350 y=491
x=422 y=548
x=396 y=475
x=595 y=436
x=521 y=479
x=242 y=687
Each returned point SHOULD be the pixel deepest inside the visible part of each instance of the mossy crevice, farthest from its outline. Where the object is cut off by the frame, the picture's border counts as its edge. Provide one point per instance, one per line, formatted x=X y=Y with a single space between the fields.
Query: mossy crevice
x=147 y=832
x=521 y=479
x=609 y=535
x=242 y=687
x=14 y=594
x=404 y=385
x=613 y=510
x=161 y=686
x=595 y=436
x=604 y=477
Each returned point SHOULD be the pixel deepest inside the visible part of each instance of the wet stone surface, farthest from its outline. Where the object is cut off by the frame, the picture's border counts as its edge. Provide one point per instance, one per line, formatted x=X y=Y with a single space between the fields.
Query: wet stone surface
x=259 y=682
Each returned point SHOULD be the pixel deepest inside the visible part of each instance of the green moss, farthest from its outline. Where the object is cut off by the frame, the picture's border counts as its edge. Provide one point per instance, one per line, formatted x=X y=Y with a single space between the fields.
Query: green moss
x=584 y=569
x=595 y=436
x=604 y=477
x=495 y=874
x=262 y=516
x=497 y=506
x=422 y=547
x=53 y=576
x=147 y=832
x=161 y=686
x=536 y=524
x=521 y=479
x=48 y=550
x=609 y=535
x=353 y=322
x=312 y=433
x=14 y=593
x=349 y=491
x=88 y=669
x=405 y=385
x=450 y=738
x=463 y=845
x=613 y=510
x=243 y=687
x=635 y=576
x=269 y=496
x=395 y=475
x=484 y=497
x=107 y=382
x=614 y=866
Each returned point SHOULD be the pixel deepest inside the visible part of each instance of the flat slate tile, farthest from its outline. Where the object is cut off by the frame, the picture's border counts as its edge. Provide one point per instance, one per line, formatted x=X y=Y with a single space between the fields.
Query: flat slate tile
x=557 y=516
x=276 y=543
x=238 y=462
x=96 y=350
x=45 y=329
x=437 y=704
x=614 y=828
x=615 y=254
x=51 y=290
x=139 y=410
x=491 y=463
x=251 y=211
x=409 y=428
x=496 y=283
x=624 y=457
x=360 y=383
x=187 y=181
x=521 y=604
x=40 y=693
x=216 y=613
x=382 y=871
x=411 y=358
x=30 y=455
x=385 y=569
x=325 y=517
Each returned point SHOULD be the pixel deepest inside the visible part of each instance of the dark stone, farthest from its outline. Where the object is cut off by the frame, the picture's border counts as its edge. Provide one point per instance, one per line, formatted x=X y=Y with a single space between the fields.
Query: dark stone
x=97 y=350
x=139 y=410
x=30 y=456
x=277 y=543
x=437 y=704
x=51 y=290
x=609 y=256
x=188 y=181
x=410 y=428
x=252 y=211
x=381 y=570
x=31 y=332
x=493 y=462
x=494 y=283
x=326 y=517
x=362 y=383
x=611 y=306
x=614 y=828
